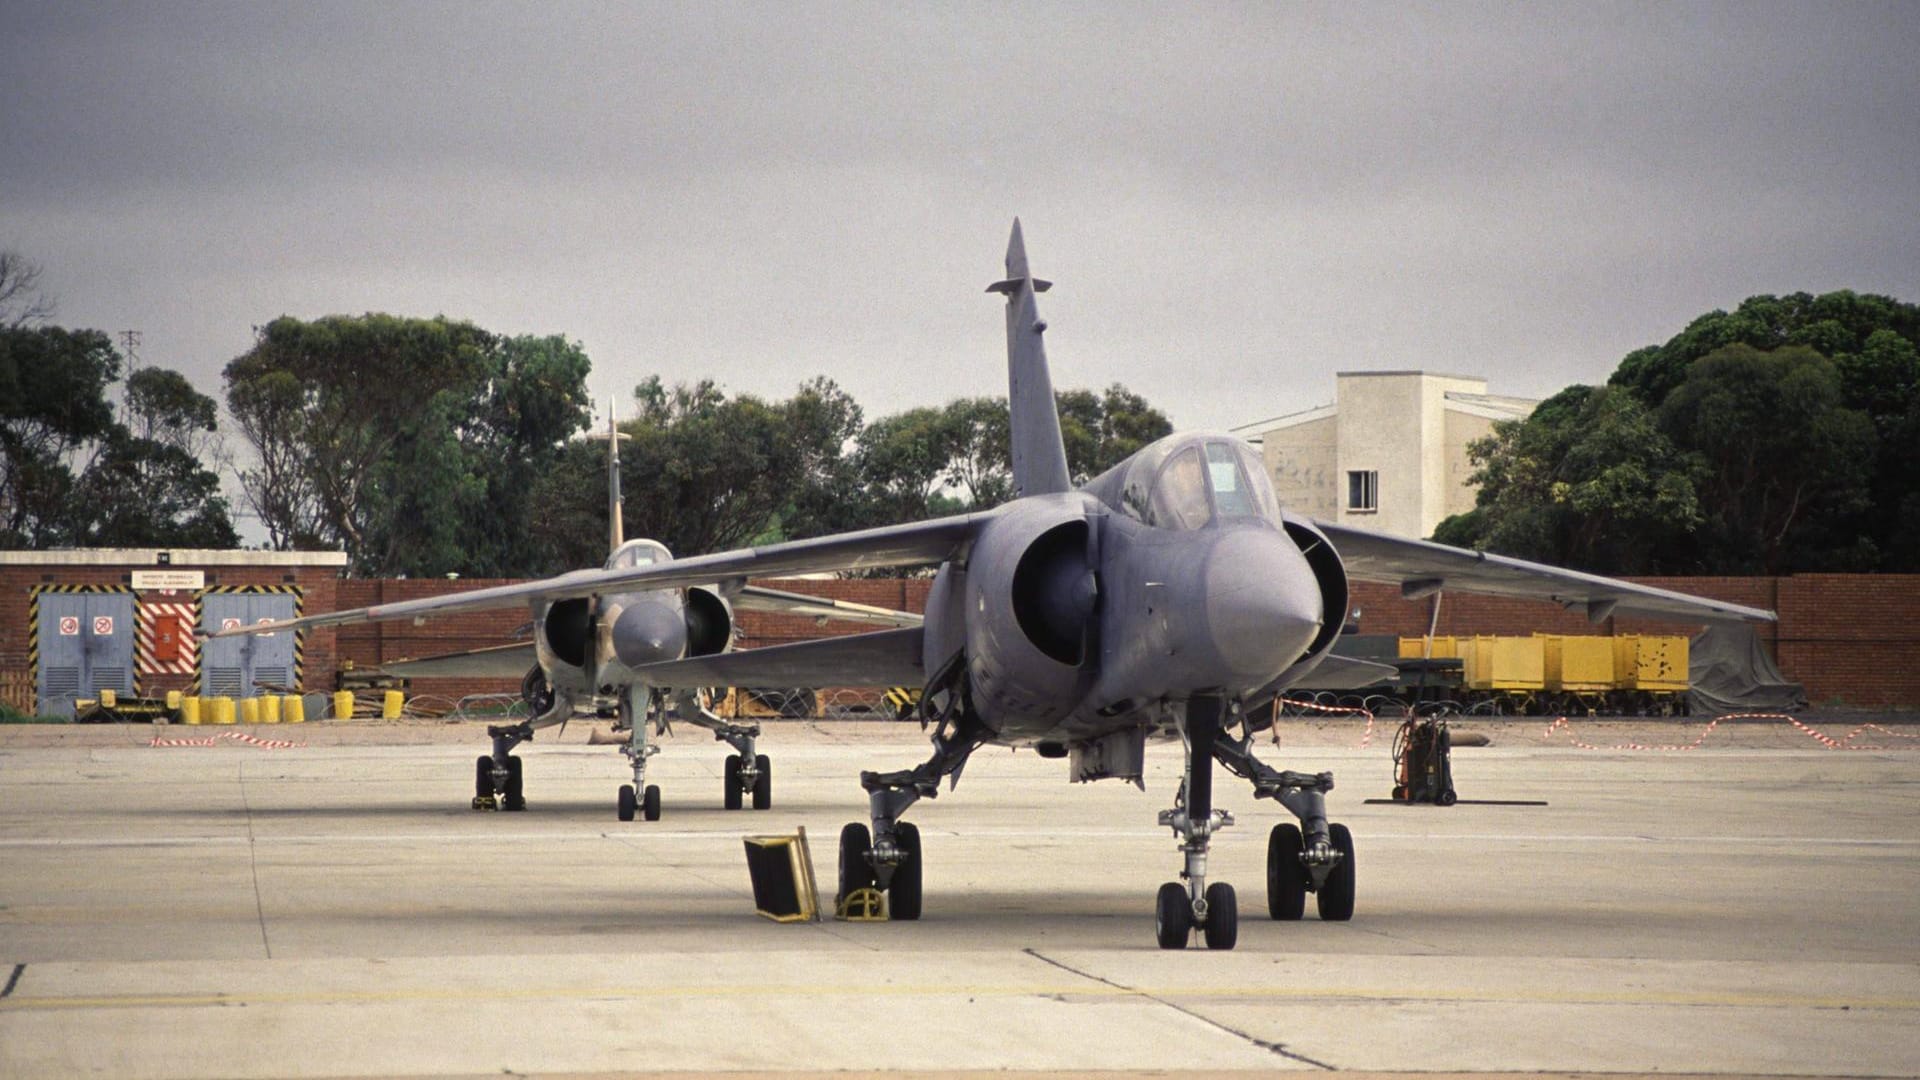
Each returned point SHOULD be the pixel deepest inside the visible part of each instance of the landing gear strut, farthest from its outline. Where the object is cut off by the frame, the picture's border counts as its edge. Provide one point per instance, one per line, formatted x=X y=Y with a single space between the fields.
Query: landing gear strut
x=746 y=770
x=1212 y=908
x=637 y=711
x=889 y=858
x=1314 y=856
x=497 y=780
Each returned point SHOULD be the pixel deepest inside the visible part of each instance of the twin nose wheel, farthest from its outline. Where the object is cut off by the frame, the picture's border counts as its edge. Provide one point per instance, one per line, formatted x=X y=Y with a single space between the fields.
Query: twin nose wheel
x=1173 y=917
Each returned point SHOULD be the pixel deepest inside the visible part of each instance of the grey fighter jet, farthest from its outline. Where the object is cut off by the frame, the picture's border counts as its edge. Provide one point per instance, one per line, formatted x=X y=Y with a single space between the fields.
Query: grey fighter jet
x=589 y=645
x=1167 y=598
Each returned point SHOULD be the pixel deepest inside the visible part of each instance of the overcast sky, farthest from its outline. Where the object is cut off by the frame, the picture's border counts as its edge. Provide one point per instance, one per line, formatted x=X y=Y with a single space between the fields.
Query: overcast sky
x=1234 y=201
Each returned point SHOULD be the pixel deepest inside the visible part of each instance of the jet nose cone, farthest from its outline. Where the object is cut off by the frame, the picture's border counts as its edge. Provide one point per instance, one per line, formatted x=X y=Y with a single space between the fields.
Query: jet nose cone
x=648 y=633
x=1263 y=603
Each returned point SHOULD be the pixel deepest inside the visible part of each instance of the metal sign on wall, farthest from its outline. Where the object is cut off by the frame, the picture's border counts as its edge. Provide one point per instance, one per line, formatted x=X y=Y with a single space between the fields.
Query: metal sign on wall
x=169 y=579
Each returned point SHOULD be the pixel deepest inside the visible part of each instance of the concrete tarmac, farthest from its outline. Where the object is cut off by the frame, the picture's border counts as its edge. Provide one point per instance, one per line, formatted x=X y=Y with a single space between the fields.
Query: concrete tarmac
x=336 y=909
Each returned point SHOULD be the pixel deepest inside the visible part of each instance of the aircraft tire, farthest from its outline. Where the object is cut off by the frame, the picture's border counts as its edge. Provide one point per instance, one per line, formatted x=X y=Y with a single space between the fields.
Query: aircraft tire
x=516 y=798
x=1335 y=898
x=903 y=896
x=1223 y=916
x=483 y=777
x=627 y=803
x=855 y=872
x=763 y=784
x=1286 y=876
x=731 y=794
x=650 y=803
x=1172 y=916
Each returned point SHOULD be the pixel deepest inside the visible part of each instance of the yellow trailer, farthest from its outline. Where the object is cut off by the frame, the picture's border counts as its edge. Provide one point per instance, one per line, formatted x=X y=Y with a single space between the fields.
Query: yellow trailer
x=1415 y=648
x=1505 y=663
x=1644 y=662
x=1578 y=662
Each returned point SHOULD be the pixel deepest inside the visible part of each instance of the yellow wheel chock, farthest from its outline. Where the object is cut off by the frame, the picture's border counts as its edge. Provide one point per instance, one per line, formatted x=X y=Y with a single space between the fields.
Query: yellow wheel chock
x=862 y=905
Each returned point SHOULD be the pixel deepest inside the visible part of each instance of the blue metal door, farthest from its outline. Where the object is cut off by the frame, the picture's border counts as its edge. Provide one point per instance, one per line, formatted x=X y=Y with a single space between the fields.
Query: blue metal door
x=86 y=646
x=251 y=664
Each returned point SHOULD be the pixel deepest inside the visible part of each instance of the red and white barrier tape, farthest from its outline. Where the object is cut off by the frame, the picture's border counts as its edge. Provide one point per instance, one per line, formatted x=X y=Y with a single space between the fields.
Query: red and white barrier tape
x=1843 y=743
x=236 y=736
x=1366 y=737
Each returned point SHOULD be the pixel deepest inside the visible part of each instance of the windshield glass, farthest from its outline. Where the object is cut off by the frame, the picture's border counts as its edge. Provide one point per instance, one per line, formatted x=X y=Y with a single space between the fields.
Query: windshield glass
x=1239 y=482
x=1180 y=493
x=1190 y=481
x=635 y=553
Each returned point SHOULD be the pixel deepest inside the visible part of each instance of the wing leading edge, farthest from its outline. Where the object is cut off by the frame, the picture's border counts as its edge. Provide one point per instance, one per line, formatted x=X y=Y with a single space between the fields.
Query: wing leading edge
x=920 y=543
x=1421 y=567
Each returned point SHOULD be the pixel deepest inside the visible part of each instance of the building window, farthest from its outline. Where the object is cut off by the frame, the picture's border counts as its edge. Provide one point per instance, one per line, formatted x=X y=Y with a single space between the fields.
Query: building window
x=1363 y=491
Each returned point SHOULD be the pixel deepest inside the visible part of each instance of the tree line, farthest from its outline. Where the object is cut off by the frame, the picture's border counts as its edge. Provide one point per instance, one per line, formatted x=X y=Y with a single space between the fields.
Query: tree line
x=1780 y=437
x=425 y=447
x=1775 y=438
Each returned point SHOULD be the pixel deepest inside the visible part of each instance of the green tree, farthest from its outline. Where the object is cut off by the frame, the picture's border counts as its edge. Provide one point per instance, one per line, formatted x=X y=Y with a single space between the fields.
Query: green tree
x=53 y=402
x=412 y=443
x=1785 y=463
x=1586 y=481
x=1101 y=430
x=1834 y=324
x=71 y=472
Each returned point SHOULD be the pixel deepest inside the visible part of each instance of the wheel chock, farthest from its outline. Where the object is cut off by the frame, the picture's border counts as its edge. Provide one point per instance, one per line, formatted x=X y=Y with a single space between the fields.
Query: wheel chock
x=485 y=802
x=862 y=905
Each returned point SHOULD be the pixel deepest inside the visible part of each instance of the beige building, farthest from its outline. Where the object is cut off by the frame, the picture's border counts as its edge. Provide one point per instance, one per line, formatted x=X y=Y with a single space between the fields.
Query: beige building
x=1390 y=451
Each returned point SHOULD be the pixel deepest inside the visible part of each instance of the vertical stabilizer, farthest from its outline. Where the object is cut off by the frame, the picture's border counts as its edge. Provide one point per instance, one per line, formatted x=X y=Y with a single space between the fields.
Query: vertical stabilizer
x=616 y=525
x=1039 y=454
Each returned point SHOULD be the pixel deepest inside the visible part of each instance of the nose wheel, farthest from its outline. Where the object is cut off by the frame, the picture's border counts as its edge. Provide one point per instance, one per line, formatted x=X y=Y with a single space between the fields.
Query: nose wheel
x=646 y=805
x=1213 y=909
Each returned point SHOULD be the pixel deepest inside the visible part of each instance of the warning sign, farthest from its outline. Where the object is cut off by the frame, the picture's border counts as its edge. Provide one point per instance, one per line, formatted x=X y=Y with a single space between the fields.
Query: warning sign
x=103 y=626
x=69 y=626
x=229 y=624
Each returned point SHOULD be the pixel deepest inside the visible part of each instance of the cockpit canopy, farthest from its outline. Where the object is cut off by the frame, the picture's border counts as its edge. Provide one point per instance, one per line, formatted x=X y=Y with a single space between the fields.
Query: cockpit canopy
x=1190 y=482
x=636 y=553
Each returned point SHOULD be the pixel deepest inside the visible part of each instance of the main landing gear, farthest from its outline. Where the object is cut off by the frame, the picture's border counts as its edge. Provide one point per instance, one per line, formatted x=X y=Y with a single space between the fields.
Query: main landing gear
x=888 y=858
x=748 y=774
x=497 y=780
x=1311 y=857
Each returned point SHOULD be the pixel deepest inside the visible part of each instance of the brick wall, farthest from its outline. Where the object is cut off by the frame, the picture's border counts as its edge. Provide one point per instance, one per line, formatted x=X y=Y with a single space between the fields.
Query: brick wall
x=1851 y=639
x=317 y=584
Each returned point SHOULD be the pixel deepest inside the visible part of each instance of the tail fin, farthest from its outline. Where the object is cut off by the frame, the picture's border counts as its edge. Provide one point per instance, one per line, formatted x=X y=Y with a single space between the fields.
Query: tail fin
x=616 y=525
x=1039 y=454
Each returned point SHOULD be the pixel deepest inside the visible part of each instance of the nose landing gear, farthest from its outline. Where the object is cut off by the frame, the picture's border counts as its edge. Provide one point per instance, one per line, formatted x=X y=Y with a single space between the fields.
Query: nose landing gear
x=1179 y=909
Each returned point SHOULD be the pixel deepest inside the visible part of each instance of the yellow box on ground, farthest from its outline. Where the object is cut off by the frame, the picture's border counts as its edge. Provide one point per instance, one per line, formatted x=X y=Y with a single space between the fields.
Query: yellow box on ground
x=1505 y=663
x=269 y=709
x=1582 y=662
x=1644 y=662
x=391 y=704
x=1444 y=645
x=189 y=709
x=343 y=705
x=222 y=710
x=294 y=711
x=250 y=710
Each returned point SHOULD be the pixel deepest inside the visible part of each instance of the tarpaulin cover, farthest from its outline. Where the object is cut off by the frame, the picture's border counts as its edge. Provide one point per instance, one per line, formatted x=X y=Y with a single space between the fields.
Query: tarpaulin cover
x=1730 y=671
